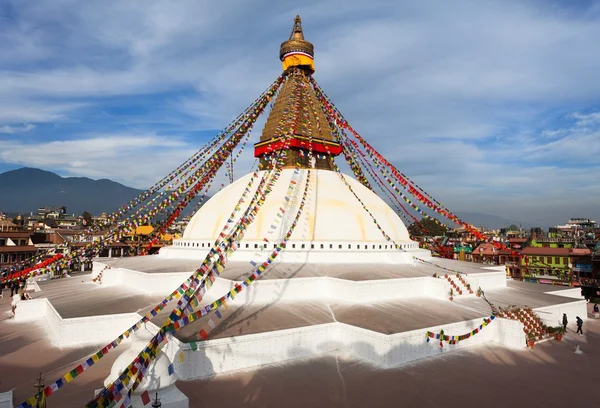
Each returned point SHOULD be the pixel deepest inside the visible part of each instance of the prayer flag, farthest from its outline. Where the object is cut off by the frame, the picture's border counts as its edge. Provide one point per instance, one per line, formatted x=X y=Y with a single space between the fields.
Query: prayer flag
x=145 y=398
x=203 y=334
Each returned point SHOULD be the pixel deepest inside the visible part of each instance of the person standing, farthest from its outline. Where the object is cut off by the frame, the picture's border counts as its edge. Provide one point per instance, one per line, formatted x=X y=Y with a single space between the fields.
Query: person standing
x=565 y=322
x=579 y=325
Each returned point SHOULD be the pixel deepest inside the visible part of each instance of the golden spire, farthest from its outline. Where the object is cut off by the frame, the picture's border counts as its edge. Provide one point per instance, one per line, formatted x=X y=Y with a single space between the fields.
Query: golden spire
x=297 y=109
x=296 y=51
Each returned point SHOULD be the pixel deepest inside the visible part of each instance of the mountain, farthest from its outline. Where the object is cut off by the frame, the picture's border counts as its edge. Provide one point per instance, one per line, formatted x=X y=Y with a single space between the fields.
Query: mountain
x=487 y=220
x=25 y=190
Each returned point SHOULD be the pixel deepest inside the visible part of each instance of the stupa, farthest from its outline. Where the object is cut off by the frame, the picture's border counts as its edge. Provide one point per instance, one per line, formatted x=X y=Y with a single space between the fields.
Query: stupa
x=349 y=280
x=335 y=228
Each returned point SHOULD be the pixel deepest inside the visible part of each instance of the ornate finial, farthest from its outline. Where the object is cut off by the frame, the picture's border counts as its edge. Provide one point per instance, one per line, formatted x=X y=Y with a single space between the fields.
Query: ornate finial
x=297 y=29
x=297 y=52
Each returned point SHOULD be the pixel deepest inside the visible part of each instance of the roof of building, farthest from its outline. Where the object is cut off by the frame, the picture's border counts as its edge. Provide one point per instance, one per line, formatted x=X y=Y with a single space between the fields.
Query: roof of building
x=15 y=234
x=17 y=248
x=517 y=240
x=485 y=249
x=555 y=251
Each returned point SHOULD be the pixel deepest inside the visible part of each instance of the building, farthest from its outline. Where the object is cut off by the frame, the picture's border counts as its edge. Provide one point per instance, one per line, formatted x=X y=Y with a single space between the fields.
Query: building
x=53 y=217
x=15 y=247
x=556 y=265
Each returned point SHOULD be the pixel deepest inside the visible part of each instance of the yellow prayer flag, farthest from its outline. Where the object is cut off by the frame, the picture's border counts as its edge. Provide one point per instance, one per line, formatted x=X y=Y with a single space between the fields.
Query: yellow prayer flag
x=181 y=357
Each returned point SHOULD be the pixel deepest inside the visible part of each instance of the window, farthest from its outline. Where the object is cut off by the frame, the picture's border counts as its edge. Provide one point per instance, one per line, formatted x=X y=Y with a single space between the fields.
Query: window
x=330 y=246
x=557 y=260
x=549 y=259
x=294 y=246
x=340 y=247
x=373 y=246
x=247 y=245
x=203 y=245
x=255 y=246
x=303 y=246
x=565 y=261
x=312 y=246
x=379 y=246
x=349 y=246
x=322 y=246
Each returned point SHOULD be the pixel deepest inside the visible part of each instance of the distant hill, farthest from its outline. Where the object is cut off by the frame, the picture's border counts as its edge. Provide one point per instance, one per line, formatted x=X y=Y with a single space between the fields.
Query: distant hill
x=25 y=190
x=487 y=220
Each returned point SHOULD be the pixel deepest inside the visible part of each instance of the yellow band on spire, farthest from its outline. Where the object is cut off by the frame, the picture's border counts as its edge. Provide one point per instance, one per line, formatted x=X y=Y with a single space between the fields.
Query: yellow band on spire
x=297 y=60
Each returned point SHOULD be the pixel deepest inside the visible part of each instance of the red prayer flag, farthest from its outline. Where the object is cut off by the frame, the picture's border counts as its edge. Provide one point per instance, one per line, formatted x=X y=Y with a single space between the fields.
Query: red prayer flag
x=203 y=334
x=145 y=398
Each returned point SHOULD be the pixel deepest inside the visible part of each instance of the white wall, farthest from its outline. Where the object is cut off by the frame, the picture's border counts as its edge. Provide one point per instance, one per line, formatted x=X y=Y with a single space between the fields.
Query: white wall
x=386 y=351
x=76 y=331
x=552 y=315
x=574 y=293
x=192 y=249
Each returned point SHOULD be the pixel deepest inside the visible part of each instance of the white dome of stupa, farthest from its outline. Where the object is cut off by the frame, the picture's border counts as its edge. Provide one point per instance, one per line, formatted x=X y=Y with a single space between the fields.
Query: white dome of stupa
x=332 y=213
x=332 y=225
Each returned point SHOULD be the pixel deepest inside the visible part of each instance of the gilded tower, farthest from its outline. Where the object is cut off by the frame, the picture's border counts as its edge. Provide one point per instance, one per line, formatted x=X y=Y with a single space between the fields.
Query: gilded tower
x=296 y=122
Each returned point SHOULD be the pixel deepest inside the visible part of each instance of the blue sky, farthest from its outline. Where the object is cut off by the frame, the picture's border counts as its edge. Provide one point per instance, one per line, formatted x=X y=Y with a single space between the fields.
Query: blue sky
x=492 y=107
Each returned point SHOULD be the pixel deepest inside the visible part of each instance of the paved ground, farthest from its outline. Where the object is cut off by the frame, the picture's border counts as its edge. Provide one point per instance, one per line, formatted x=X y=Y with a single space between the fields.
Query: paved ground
x=382 y=317
x=550 y=375
x=78 y=296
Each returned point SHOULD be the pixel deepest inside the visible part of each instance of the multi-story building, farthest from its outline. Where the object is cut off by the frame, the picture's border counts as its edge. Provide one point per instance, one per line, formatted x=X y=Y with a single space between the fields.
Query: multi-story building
x=556 y=265
x=15 y=247
x=53 y=217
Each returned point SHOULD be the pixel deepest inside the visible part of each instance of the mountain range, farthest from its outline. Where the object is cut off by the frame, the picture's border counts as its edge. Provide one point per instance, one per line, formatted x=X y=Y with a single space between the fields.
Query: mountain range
x=25 y=190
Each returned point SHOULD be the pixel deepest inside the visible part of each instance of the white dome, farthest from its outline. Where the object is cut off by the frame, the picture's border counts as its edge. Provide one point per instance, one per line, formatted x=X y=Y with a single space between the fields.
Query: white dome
x=331 y=213
x=157 y=376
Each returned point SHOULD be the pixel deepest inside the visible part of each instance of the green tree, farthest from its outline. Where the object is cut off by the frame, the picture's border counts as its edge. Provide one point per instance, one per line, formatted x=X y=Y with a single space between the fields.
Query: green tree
x=434 y=229
x=88 y=219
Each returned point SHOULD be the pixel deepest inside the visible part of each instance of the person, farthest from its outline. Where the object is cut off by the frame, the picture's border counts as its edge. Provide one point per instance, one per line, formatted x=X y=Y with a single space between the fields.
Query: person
x=596 y=310
x=565 y=322
x=579 y=325
x=15 y=300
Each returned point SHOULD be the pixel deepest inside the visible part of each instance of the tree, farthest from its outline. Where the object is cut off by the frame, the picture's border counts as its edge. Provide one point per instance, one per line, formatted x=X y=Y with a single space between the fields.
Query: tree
x=88 y=220
x=513 y=227
x=434 y=229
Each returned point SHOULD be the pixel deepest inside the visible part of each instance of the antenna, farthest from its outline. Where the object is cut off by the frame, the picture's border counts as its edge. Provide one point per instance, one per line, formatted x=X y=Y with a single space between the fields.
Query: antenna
x=156 y=403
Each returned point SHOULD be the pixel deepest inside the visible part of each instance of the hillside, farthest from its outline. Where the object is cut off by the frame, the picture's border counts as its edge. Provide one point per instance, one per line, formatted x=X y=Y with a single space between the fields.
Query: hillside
x=25 y=190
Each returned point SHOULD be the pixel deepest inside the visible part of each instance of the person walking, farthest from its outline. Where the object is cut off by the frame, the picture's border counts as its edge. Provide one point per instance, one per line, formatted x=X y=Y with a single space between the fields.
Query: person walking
x=579 y=325
x=565 y=322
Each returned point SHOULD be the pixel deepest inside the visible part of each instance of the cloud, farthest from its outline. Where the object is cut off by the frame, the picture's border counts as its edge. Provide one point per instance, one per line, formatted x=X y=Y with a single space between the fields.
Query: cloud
x=137 y=160
x=16 y=129
x=587 y=119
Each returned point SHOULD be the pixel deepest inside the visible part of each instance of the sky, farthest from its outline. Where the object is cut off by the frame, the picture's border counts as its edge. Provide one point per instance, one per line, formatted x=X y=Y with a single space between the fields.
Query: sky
x=492 y=107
